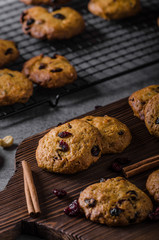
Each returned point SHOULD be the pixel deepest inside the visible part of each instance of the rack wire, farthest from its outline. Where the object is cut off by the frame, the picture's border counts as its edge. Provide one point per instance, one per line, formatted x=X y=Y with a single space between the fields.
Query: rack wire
x=107 y=49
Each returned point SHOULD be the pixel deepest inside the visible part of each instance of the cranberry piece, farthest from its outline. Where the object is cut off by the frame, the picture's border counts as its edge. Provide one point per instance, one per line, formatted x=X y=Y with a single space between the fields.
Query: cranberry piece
x=64 y=146
x=73 y=209
x=121 y=132
x=95 y=151
x=115 y=211
x=157 y=121
x=116 y=167
x=56 y=70
x=64 y=134
x=9 y=51
x=59 y=193
x=42 y=66
x=90 y=202
x=154 y=215
x=59 y=16
x=30 y=21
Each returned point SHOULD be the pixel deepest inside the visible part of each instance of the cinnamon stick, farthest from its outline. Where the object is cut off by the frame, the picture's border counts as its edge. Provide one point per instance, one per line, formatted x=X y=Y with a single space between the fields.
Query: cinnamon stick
x=141 y=166
x=30 y=191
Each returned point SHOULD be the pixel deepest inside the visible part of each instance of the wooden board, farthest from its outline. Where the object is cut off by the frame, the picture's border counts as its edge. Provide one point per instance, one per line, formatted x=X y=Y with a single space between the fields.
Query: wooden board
x=53 y=223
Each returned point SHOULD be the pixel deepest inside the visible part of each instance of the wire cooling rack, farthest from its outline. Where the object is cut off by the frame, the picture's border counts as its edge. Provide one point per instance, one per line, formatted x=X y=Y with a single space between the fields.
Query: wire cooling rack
x=107 y=49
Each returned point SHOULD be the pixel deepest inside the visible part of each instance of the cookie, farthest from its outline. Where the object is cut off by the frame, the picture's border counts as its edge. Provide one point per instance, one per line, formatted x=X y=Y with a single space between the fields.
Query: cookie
x=50 y=72
x=115 y=134
x=152 y=115
x=44 y=2
x=14 y=87
x=138 y=99
x=114 y=9
x=152 y=185
x=69 y=148
x=115 y=202
x=63 y=23
x=8 y=52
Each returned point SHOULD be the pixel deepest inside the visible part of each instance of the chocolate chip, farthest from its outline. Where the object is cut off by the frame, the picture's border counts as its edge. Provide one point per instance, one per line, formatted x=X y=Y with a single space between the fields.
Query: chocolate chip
x=56 y=70
x=9 y=51
x=157 y=121
x=59 y=16
x=121 y=132
x=95 y=151
x=90 y=202
x=115 y=211
x=30 y=21
x=42 y=66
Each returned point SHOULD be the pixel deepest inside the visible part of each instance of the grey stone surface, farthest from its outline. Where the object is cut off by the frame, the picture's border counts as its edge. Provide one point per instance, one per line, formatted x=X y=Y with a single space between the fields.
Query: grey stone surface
x=43 y=117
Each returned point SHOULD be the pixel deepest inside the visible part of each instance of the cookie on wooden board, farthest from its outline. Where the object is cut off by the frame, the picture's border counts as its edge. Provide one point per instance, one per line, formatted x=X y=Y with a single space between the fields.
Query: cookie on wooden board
x=152 y=185
x=115 y=202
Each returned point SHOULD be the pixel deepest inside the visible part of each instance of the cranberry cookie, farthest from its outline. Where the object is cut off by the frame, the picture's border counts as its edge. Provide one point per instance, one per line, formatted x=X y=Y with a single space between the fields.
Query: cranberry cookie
x=114 y=9
x=152 y=184
x=8 y=52
x=115 y=134
x=50 y=72
x=14 y=87
x=152 y=115
x=138 y=99
x=115 y=202
x=69 y=148
x=44 y=2
x=63 y=23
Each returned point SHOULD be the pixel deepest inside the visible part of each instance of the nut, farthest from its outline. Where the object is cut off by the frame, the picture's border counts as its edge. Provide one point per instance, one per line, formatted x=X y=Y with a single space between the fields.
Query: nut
x=6 y=141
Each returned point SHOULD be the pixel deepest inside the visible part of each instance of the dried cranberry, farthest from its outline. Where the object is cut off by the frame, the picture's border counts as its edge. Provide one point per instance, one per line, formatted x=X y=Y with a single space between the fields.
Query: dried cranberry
x=116 y=167
x=121 y=132
x=56 y=70
x=64 y=134
x=42 y=65
x=30 y=21
x=59 y=193
x=73 y=209
x=64 y=146
x=90 y=202
x=154 y=215
x=59 y=16
x=115 y=211
x=157 y=121
x=9 y=51
x=95 y=151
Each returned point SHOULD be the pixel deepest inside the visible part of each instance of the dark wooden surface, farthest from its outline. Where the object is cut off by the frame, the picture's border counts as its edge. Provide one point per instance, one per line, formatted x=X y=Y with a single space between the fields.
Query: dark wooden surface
x=53 y=223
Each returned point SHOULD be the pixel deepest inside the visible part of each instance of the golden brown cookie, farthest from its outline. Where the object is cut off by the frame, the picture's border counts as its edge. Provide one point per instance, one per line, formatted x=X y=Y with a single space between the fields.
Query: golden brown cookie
x=138 y=99
x=50 y=72
x=69 y=148
x=44 y=2
x=152 y=185
x=151 y=112
x=14 y=87
x=115 y=202
x=63 y=23
x=8 y=52
x=115 y=134
x=114 y=9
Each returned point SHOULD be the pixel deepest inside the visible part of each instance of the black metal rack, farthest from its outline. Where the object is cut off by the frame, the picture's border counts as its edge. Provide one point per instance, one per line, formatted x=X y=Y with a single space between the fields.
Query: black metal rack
x=107 y=49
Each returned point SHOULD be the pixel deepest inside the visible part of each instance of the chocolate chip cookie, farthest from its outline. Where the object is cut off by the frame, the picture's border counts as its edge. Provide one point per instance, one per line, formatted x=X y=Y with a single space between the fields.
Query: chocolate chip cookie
x=63 y=23
x=152 y=115
x=44 y=2
x=50 y=72
x=14 y=87
x=152 y=185
x=8 y=52
x=138 y=99
x=115 y=202
x=69 y=148
x=115 y=135
x=114 y=9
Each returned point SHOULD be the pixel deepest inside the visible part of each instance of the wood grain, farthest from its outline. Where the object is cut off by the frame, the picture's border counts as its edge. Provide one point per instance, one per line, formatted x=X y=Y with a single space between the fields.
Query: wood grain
x=53 y=223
